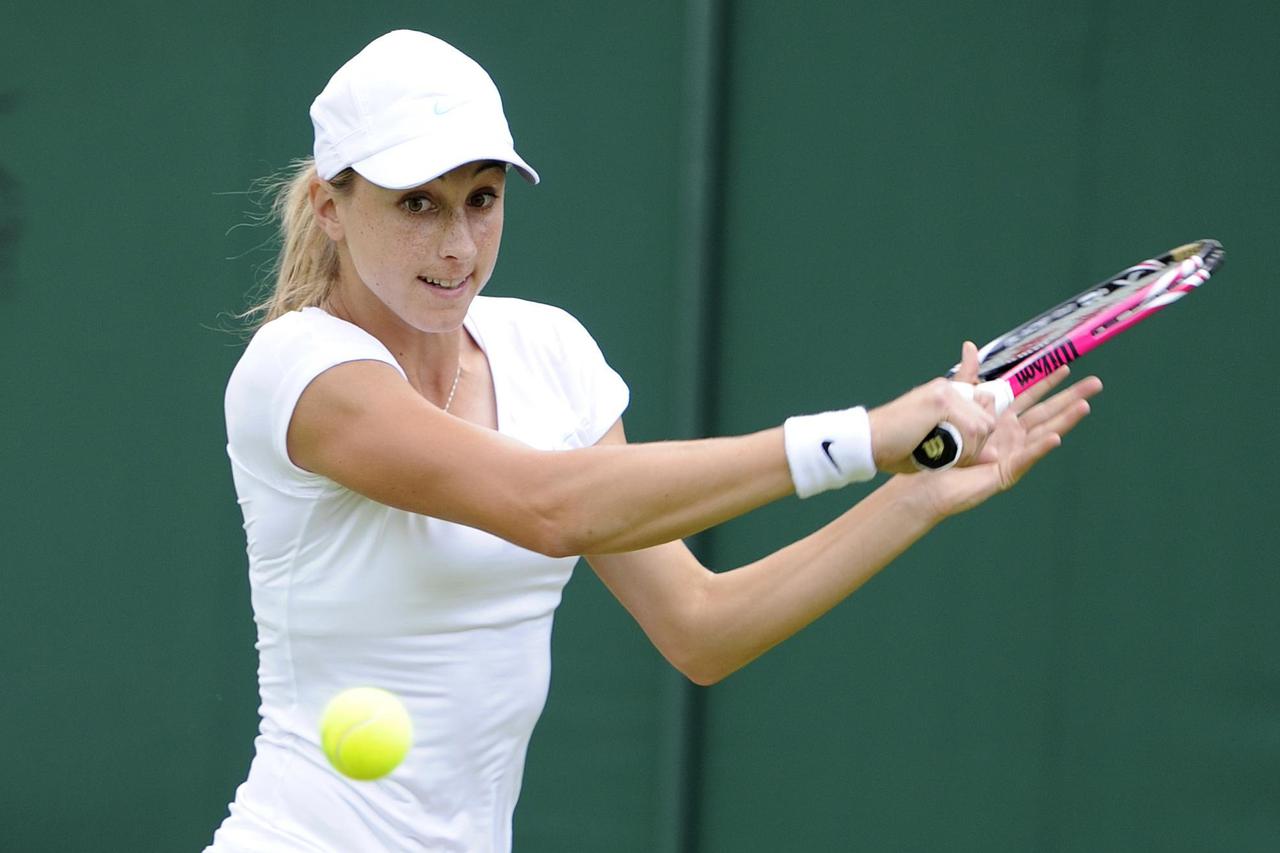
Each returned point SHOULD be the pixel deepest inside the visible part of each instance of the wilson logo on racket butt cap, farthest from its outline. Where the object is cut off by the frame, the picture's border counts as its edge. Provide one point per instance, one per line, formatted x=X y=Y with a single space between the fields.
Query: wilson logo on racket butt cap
x=1047 y=363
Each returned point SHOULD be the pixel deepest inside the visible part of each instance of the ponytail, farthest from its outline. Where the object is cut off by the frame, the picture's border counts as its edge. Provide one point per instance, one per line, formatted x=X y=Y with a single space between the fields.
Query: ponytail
x=307 y=265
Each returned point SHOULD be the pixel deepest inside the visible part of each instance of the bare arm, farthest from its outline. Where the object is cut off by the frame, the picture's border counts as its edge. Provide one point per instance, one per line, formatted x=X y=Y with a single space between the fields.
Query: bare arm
x=709 y=625
x=361 y=425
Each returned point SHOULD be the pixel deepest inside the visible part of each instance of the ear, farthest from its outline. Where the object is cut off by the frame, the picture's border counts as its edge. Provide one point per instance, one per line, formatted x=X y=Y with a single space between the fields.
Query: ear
x=325 y=208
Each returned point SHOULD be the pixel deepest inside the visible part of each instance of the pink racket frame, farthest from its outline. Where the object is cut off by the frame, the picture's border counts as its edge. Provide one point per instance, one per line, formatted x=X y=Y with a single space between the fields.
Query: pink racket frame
x=1168 y=287
x=1172 y=277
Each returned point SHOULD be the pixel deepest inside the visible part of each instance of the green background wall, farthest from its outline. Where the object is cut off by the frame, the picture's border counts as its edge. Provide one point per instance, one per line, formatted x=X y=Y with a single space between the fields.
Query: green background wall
x=759 y=209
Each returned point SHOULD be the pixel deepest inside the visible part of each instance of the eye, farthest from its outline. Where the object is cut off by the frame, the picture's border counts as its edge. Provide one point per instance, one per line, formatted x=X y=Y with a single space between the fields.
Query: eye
x=484 y=199
x=416 y=204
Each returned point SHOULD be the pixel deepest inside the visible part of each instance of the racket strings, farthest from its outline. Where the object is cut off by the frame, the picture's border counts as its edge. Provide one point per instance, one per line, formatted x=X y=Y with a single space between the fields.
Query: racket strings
x=1107 y=305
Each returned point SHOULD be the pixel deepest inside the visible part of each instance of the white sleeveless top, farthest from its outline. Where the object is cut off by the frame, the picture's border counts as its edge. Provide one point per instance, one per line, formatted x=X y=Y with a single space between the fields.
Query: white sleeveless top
x=349 y=592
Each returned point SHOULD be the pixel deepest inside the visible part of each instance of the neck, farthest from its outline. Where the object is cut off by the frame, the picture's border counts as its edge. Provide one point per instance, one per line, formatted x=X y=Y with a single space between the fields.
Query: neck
x=432 y=361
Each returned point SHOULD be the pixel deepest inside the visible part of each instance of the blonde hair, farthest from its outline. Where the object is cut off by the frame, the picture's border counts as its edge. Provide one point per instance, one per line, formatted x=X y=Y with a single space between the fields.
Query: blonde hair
x=306 y=266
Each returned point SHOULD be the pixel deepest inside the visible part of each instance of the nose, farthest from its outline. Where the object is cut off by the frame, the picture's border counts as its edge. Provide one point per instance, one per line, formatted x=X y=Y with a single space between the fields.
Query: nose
x=456 y=240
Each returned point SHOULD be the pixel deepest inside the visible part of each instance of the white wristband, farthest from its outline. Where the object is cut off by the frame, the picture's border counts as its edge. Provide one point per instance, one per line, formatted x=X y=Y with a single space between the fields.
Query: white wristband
x=829 y=450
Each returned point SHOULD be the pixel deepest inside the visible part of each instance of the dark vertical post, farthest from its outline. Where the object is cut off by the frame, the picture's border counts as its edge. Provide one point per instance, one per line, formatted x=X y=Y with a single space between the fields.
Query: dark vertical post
x=696 y=341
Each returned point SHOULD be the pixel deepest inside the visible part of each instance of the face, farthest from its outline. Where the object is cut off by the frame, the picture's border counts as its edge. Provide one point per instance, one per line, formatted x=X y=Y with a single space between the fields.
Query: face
x=421 y=254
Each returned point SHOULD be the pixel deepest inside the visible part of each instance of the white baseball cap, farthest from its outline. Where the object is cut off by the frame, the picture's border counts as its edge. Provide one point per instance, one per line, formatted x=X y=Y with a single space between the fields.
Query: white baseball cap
x=407 y=109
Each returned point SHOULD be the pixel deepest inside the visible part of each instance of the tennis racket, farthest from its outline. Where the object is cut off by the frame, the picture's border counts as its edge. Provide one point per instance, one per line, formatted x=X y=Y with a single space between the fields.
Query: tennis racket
x=1025 y=355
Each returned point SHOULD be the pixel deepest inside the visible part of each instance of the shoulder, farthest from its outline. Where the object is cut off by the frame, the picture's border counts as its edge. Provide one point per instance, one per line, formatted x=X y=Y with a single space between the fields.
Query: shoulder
x=511 y=309
x=531 y=326
x=308 y=339
x=281 y=360
x=309 y=327
x=554 y=358
x=285 y=354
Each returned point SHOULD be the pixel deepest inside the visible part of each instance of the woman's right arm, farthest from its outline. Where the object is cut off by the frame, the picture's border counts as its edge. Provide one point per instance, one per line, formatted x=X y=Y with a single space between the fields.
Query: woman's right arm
x=361 y=425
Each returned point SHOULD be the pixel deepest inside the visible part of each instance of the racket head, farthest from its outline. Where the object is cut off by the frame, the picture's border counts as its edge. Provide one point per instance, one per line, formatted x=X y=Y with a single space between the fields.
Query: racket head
x=1026 y=354
x=1186 y=268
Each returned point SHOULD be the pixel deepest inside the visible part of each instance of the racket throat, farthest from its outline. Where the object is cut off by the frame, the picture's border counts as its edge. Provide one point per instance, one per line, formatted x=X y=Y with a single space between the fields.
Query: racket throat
x=1043 y=365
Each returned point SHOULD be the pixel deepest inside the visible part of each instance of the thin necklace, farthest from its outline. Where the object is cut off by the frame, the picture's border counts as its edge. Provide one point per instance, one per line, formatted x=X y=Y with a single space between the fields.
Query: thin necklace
x=454 y=389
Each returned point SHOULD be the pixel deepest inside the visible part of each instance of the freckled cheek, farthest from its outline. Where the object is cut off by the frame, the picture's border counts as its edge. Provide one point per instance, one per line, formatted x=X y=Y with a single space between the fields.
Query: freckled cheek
x=385 y=256
x=488 y=236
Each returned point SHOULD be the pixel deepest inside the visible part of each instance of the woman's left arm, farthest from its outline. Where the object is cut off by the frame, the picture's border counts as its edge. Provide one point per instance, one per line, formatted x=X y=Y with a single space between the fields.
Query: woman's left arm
x=709 y=624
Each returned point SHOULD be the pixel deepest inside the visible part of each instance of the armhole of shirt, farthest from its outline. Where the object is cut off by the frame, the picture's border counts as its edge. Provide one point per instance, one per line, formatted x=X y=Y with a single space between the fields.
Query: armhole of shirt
x=286 y=400
x=311 y=352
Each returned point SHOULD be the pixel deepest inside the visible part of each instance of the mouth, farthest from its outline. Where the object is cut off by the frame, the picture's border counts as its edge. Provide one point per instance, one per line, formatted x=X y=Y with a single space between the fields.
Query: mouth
x=444 y=284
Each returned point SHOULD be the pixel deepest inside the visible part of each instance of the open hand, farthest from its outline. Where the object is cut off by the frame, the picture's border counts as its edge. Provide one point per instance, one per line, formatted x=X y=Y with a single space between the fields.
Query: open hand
x=1027 y=431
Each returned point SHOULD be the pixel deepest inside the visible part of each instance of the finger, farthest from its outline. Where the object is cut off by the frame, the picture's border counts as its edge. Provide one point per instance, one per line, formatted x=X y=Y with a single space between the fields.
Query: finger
x=1048 y=435
x=1044 y=412
x=1087 y=387
x=1027 y=457
x=1040 y=390
x=968 y=371
x=1063 y=422
x=973 y=415
x=976 y=423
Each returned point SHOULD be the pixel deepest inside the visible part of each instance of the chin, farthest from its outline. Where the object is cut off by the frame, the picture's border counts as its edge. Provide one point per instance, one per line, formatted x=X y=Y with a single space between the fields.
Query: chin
x=436 y=320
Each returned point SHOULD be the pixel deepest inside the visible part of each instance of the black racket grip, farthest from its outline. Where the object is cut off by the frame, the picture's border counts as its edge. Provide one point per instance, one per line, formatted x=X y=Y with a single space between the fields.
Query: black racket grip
x=940 y=448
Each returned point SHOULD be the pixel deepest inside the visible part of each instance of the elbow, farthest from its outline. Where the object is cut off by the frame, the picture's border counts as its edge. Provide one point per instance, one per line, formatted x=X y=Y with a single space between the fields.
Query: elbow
x=564 y=517
x=551 y=529
x=704 y=678
x=551 y=541
x=703 y=670
x=699 y=659
x=557 y=547
x=692 y=639
x=536 y=519
x=559 y=526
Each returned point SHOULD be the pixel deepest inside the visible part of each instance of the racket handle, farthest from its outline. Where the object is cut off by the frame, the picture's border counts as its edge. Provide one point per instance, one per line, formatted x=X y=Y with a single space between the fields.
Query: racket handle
x=940 y=448
x=944 y=444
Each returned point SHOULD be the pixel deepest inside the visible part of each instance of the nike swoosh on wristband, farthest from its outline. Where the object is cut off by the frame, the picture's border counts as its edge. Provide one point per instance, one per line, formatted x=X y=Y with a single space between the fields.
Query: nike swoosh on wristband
x=826 y=448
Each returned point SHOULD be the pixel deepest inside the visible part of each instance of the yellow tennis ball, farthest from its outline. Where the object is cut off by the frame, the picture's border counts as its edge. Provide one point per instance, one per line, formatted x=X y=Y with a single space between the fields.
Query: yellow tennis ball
x=365 y=732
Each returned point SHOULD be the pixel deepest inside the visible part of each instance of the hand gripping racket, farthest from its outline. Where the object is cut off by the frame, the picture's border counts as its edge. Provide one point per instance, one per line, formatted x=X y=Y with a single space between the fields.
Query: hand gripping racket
x=1023 y=356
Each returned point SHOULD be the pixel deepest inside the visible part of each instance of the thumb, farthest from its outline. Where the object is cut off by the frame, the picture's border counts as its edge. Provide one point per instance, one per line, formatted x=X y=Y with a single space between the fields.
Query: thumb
x=968 y=371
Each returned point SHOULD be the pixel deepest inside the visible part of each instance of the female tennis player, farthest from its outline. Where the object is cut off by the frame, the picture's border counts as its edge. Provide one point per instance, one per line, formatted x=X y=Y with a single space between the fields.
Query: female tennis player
x=419 y=467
